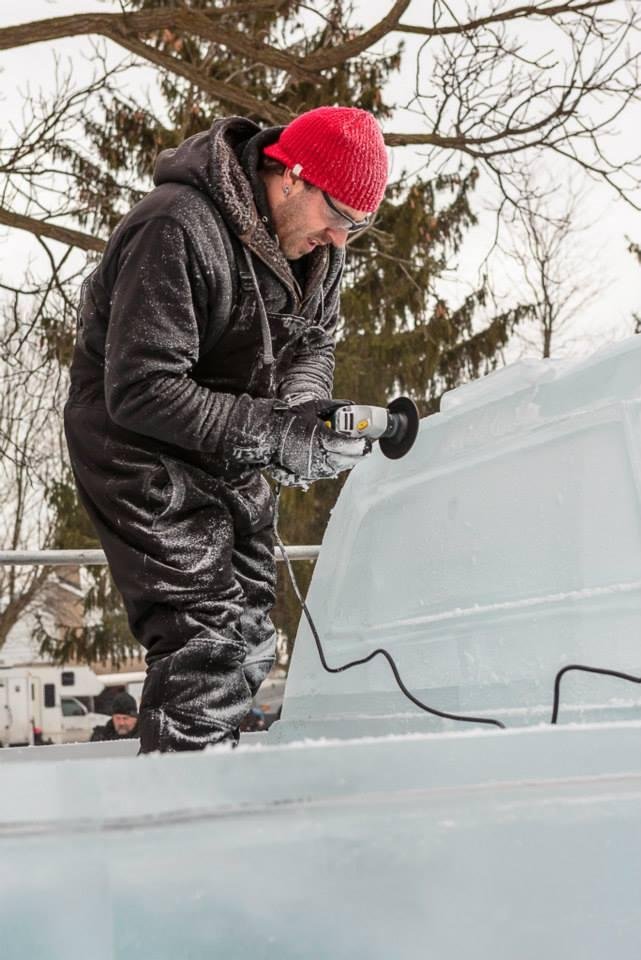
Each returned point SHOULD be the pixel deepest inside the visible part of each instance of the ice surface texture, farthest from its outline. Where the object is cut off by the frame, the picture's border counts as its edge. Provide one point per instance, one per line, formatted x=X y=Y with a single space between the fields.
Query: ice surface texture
x=493 y=845
x=505 y=545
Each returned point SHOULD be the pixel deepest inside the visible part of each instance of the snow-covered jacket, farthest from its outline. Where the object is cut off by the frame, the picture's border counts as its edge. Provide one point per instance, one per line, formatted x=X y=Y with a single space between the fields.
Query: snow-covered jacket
x=171 y=330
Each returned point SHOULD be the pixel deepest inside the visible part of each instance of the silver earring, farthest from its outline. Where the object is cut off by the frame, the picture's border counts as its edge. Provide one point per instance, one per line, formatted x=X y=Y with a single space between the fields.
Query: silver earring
x=285 y=190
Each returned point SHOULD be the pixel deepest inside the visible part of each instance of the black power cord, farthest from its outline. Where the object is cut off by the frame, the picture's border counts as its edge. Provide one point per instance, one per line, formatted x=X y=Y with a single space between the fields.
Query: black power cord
x=579 y=666
x=384 y=653
x=381 y=651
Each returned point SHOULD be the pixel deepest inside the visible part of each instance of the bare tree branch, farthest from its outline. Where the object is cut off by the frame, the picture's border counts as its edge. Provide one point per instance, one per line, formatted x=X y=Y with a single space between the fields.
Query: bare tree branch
x=478 y=92
x=357 y=45
x=74 y=238
x=124 y=29
x=540 y=10
x=560 y=282
x=144 y=22
x=30 y=415
x=222 y=91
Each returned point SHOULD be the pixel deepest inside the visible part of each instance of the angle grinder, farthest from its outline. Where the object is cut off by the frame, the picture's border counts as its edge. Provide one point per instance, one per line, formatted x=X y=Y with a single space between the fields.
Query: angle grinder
x=394 y=426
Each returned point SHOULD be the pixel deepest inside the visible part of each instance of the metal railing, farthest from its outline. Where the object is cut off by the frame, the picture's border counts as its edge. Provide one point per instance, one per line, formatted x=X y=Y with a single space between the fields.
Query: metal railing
x=89 y=558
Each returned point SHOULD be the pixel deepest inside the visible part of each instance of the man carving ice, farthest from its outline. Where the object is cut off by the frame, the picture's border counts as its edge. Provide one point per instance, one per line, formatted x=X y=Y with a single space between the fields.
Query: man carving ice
x=205 y=351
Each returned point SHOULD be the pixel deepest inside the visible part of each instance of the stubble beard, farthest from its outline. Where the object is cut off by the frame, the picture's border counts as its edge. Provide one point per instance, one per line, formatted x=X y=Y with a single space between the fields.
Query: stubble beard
x=289 y=222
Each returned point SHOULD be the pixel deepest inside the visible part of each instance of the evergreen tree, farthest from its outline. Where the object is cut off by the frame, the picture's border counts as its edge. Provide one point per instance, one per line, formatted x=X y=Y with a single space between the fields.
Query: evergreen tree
x=105 y=636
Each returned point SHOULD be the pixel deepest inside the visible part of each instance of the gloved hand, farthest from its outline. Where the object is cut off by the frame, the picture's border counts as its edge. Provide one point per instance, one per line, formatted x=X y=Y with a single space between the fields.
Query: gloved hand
x=293 y=442
x=308 y=450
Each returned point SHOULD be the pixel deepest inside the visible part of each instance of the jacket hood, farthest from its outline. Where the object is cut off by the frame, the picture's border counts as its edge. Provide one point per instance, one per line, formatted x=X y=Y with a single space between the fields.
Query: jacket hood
x=223 y=163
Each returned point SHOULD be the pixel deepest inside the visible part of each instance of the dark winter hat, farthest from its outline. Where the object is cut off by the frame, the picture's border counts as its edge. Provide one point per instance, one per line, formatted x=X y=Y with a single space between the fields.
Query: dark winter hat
x=124 y=703
x=338 y=149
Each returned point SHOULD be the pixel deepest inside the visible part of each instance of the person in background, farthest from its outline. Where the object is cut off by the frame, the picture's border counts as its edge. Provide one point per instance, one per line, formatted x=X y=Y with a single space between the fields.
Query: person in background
x=124 y=720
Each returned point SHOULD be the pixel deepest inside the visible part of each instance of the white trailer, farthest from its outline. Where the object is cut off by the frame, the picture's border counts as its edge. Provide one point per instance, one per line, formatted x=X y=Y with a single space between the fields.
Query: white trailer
x=38 y=704
x=18 y=719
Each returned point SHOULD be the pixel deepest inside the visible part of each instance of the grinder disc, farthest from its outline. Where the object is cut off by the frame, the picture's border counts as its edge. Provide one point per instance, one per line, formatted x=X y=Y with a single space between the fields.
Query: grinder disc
x=402 y=441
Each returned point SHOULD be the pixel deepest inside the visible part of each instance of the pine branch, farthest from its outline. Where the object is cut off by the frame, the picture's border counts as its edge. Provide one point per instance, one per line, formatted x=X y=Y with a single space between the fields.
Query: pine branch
x=13 y=611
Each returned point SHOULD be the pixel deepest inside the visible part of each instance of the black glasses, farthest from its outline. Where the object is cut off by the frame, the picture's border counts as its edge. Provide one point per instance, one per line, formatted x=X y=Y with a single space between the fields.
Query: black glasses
x=354 y=225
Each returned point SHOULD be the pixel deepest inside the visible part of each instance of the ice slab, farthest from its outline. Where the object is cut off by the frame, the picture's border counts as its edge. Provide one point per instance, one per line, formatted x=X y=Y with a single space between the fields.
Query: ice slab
x=496 y=845
x=506 y=545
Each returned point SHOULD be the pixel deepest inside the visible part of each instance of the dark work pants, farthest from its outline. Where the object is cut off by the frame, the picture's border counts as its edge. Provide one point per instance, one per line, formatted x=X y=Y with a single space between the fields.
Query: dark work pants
x=192 y=555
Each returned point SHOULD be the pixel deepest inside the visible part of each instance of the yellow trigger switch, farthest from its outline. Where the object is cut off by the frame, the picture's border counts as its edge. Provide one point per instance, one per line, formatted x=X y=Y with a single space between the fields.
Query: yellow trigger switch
x=362 y=425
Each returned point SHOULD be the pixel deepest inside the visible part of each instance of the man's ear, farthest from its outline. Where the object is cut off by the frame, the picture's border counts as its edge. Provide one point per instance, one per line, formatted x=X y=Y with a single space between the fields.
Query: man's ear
x=291 y=181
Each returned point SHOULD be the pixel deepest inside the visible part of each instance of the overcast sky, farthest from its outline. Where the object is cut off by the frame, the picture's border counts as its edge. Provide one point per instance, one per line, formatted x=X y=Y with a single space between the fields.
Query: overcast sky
x=604 y=245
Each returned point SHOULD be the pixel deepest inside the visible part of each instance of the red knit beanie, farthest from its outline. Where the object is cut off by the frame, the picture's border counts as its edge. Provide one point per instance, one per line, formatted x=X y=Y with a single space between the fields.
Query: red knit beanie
x=338 y=149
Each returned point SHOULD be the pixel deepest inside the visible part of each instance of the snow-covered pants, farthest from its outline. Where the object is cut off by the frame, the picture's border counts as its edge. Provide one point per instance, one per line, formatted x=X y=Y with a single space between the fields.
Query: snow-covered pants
x=192 y=555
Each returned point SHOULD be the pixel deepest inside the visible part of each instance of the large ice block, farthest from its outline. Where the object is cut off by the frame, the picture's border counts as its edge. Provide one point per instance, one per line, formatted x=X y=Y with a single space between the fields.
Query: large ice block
x=494 y=845
x=505 y=545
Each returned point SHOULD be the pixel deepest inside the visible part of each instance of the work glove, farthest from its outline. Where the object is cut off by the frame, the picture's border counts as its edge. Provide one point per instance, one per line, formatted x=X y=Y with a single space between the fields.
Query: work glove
x=309 y=450
x=292 y=442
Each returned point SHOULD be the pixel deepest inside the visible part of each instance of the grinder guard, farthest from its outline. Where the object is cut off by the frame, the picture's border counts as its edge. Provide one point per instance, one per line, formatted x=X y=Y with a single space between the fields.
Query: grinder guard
x=399 y=437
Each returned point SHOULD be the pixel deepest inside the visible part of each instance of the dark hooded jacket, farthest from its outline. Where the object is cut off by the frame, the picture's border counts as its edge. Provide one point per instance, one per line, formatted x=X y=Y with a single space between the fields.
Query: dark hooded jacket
x=170 y=331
